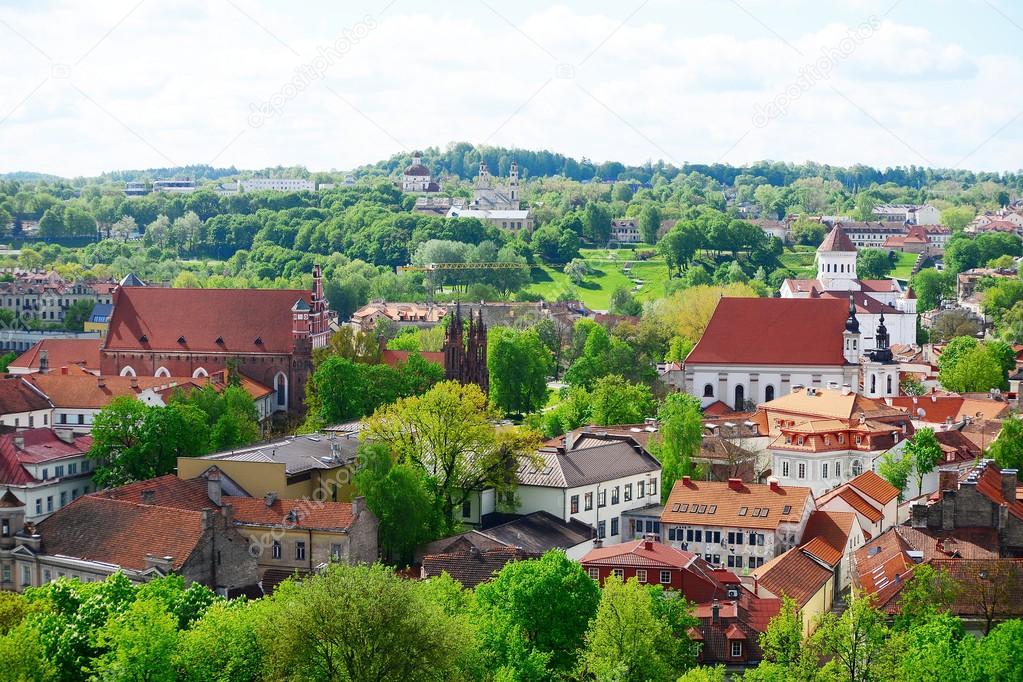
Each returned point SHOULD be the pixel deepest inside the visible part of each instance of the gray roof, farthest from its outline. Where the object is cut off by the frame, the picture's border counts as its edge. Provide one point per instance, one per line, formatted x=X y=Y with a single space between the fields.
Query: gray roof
x=535 y=533
x=298 y=454
x=593 y=459
x=132 y=280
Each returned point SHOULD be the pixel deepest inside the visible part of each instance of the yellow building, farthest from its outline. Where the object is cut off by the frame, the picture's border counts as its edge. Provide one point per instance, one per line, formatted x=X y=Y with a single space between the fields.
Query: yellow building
x=312 y=467
x=804 y=578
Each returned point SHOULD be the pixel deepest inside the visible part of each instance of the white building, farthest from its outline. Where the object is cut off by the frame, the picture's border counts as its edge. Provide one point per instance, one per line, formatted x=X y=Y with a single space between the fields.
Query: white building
x=625 y=231
x=733 y=524
x=278 y=185
x=594 y=479
x=874 y=299
x=912 y=214
x=489 y=195
x=174 y=185
x=45 y=469
x=874 y=500
x=417 y=177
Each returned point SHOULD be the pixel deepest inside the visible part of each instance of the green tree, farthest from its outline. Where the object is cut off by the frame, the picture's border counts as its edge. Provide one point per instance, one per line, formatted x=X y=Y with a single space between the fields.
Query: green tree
x=896 y=471
x=910 y=385
x=873 y=264
x=398 y=496
x=856 y=645
x=340 y=387
x=225 y=644
x=965 y=365
x=1007 y=447
x=360 y=623
x=519 y=365
x=624 y=303
x=649 y=223
x=931 y=286
x=77 y=314
x=24 y=655
x=617 y=401
x=999 y=657
x=679 y=437
x=448 y=433
x=782 y=642
x=140 y=644
x=678 y=348
x=956 y=217
x=924 y=451
x=927 y=593
x=613 y=652
x=577 y=270
x=535 y=613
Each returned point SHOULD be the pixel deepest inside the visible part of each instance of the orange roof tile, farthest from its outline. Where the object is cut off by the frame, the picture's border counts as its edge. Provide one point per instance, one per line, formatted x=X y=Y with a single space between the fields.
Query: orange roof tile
x=60 y=353
x=827 y=534
x=854 y=500
x=748 y=505
x=793 y=574
x=875 y=487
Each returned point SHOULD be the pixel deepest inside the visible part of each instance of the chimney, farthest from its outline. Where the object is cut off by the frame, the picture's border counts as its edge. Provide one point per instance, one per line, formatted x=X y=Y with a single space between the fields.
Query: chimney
x=358 y=506
x=569 y=439
x=44 y=361
x=948 y=480
x=148 y=496
x=134 y=382
x=735 y=484
x=213 y=489
x=648 y=542
x=597 y=543
x=101 y=381
x=918 y=516
x=64 y=370
x=19 y=442
x=756 y=586
x=715 y=611
x=846 y=389
x=686 y=480
x=1009 y=485
x=270 y=498
x=773 y=482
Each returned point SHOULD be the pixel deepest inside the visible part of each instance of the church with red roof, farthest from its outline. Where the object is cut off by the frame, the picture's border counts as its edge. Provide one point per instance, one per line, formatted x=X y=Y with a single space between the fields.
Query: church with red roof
x=267 y=334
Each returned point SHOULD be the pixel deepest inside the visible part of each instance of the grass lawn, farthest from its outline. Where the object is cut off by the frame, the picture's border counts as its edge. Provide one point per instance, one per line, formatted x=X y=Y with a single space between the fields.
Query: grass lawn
x=800 y=262
x=904 y=266
x=595 y=292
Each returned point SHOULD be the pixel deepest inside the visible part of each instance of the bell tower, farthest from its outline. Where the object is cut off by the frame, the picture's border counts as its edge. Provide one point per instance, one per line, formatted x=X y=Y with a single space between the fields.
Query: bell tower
x=851 y=341
x=881 y=372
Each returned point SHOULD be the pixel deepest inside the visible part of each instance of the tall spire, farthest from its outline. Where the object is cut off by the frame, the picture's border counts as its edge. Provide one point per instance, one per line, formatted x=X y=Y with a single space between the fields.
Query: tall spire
x=851 y=323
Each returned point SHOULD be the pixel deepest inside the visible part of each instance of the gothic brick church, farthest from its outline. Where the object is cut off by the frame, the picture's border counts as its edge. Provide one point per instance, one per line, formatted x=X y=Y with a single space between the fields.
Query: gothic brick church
x=465 y=351
x=269 y=335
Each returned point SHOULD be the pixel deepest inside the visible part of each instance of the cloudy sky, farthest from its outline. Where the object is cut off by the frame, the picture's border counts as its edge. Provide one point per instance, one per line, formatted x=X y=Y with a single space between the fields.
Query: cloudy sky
x=89 y=87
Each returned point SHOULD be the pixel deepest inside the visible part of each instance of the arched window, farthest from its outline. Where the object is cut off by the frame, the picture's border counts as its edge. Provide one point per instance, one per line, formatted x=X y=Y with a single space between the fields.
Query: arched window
x=200 y=372
x=128 y=371
x=873 y=383
x=857 y=468
x=281 y=388
x=768 y=393
x=708 y=391
x=162 y=372
x=740 y=397
x=889 y=384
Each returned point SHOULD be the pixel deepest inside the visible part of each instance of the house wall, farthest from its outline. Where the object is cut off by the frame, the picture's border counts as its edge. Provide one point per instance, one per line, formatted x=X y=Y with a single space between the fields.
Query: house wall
x=221 y=559
x=26 y=420
x=723 y=380
x=819 y=603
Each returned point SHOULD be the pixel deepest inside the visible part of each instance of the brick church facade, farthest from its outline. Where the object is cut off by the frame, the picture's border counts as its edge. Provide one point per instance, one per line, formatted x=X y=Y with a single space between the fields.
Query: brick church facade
x=267 y=334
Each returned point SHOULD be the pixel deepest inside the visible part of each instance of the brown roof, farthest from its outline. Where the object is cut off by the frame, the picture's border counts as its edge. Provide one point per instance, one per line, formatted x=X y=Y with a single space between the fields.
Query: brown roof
x=122 y=533
x=18 y=396
x=827 y=534
x=873 y=486
x=854 y=500
x=61 y=353
x=85 y=390
x=794 y=574
x=774 y=331
x=836 y=240
x=166 y=491
x=305 y=514
x=473 y=567
x=154 y=318
x=734 y=504
x=636 y=553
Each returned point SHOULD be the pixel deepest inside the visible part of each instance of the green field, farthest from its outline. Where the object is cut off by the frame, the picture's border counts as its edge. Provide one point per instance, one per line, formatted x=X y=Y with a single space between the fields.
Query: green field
x=595 y=292
x=904 y=266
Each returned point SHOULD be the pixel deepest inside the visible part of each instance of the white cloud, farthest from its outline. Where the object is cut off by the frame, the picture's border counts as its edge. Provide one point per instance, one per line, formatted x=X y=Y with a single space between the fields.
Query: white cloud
x=180 y=80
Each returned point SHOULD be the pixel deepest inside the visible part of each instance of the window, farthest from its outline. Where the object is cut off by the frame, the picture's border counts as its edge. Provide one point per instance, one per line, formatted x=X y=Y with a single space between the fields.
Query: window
x=689 y=535
x=785 y=469
x=738 y=538
x=39 y=506
x=738 y=561
x=716 y=536
x=601 y=532
x=708 y=391
x=467 y=509
x=299 y=551
x=671 y=535
x=63 y=498
x=63 y=419
x=768 y=393
x=628 y=492
x=752 y=538
x=665 y=577
x=5 y=528
x=731 y=561
x=602 y=498
x=838 y=470
x=731 y=537
x=49 y=503
x=85 y=466
x=641 y=575
x=614 y=495
x=31 y=421
x=743 y=510
x=26 y=575
x=588 y=501
x=717 y=559
x=614 y=526
x=618 y=572
x=641 y=489
x=593 y=573
x=653 y=487
x=7 y=574
x=698 y=534
x=824 y=470
x=802 y=470
x=573 y=504
x=72 y=468
x=46 y=474
x=760 y=540
x=857 y=467
x=859 y=440
x=841 y=438
x=47 y=575
x=740 y=397
x=736 y=649
x=81 y=419
x=276 y=549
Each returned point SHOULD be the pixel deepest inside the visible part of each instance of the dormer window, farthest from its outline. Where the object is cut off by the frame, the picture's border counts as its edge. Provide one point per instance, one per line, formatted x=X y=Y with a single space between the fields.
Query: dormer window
x=143 y=339
x=181 y=339
x=259 y=341
x=220 y=341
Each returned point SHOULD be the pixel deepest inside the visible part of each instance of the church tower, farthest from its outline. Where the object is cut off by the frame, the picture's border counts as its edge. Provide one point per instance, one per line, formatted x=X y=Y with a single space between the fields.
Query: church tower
x=513 y=181
x=881 y=372
x=484 y=177
x=851 y=340
x=836 y=262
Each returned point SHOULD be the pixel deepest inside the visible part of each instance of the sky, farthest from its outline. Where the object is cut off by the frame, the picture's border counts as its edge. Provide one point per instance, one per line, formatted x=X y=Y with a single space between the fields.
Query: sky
x=93 y=87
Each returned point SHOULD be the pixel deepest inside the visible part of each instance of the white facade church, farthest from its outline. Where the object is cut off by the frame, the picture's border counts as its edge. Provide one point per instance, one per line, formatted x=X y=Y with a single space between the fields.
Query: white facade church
x=874 y=298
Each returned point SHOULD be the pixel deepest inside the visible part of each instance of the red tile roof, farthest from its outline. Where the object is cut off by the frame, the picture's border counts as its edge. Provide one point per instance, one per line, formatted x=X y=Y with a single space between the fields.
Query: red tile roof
x=60 y=353
x=473 y=567
x=793 y=574
x=18 y=396
x=734 y=507
x=394 y=357
x=636 y=553
x=302 y=514
x=91 y=392
x=239 y=317
x=130 y=531
x=827 y=534
x=854 y=500
x=166 y=491
x=774 y=331
x=836 y=240
x=874 y=487
x=40 y=445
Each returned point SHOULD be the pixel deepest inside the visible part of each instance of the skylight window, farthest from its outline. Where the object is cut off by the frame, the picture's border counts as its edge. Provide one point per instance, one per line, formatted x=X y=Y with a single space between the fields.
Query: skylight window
x=743 y=510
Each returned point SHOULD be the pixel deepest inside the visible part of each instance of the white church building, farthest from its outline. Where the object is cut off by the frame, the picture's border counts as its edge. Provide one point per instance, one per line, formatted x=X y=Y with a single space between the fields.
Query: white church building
x=874 y=298
x=417 y=178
